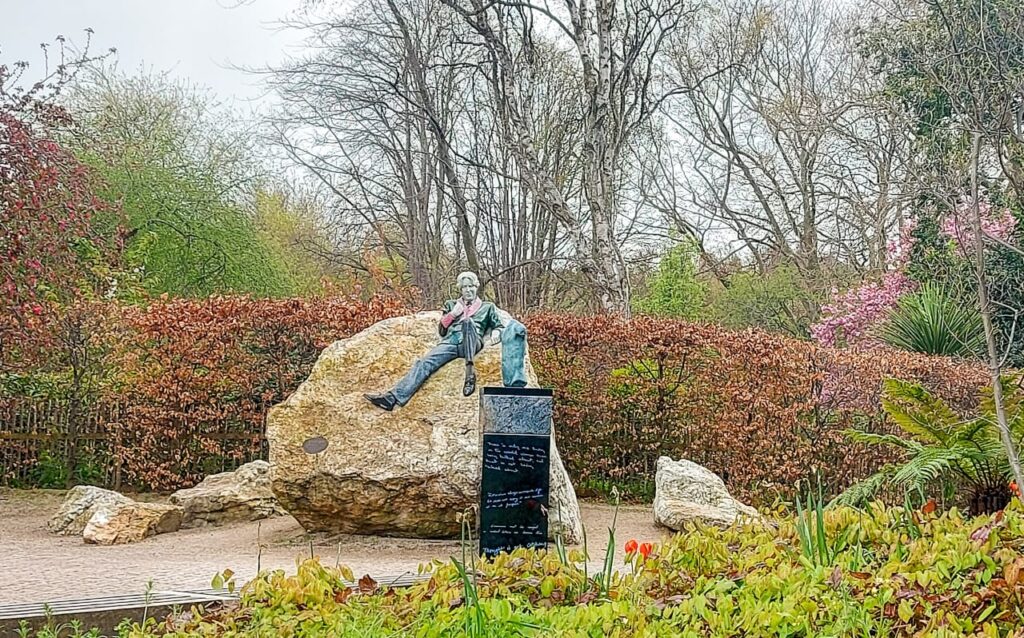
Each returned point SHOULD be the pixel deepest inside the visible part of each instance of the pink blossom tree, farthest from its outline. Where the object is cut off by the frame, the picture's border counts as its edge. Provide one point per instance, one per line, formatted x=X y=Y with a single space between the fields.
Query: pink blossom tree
x=997 y=225
x=848 y=320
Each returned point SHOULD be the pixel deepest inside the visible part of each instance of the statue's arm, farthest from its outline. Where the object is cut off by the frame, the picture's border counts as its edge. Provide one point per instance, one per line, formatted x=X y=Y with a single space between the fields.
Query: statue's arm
x=496 y=318
x=496 y=326
x=446 y=318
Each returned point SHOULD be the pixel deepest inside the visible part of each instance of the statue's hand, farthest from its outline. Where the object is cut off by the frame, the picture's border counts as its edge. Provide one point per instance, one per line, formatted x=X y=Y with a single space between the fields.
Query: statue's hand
x=457 y=309
x=495 y=337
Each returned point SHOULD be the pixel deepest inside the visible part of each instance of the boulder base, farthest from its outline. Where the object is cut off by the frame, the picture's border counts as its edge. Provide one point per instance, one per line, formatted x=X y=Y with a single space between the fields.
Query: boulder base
x=409 y=472
x=242 y=495
x=130 y=522
x=689 y=493
x=78 y=507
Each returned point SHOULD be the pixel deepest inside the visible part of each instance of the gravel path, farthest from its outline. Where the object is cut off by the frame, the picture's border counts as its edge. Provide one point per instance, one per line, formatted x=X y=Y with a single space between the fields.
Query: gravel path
x=36 y=566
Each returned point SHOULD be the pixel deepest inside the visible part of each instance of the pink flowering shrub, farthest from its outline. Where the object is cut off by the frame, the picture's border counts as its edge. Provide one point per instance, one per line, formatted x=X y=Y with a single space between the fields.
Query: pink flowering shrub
x=851 y=315
x=995 y=224
x=849 y=318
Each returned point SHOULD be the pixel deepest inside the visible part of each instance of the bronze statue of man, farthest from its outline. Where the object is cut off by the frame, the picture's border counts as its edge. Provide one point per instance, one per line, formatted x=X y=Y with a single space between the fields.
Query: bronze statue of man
x=466 y=322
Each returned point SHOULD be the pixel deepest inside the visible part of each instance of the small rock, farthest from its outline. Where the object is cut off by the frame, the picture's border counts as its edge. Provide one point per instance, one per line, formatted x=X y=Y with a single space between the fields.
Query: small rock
x=686 y=492
x=78 y=507
x=242 y=495
x=131 y=522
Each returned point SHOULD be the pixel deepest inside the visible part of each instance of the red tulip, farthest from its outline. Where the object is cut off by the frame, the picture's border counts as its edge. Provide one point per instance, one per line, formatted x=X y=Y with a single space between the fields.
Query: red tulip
x=645 y=549
x=1013 y=486
x=631 y=547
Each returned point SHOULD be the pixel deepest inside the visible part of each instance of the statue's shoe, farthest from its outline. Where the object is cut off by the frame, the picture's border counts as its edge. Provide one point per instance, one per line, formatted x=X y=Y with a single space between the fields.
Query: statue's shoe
x=384 y=401
x=470 y=385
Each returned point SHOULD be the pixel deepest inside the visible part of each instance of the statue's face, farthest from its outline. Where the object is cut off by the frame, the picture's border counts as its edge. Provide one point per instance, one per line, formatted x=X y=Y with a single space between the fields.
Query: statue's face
x=468 y=290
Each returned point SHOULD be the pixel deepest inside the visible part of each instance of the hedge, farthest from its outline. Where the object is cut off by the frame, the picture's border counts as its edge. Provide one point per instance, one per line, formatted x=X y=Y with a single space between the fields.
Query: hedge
x=761 y=410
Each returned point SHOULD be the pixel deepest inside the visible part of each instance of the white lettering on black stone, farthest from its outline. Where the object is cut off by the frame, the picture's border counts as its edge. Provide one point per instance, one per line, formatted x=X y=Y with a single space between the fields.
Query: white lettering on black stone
x=512 y=457
x=513 y=528
x=514 y=498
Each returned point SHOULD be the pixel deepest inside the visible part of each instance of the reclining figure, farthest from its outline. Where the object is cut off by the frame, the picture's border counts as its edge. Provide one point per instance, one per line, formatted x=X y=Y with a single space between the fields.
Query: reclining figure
x=466 y=323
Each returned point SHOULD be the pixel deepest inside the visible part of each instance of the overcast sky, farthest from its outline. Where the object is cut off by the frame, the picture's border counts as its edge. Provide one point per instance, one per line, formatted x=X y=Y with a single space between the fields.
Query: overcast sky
x=200 y=40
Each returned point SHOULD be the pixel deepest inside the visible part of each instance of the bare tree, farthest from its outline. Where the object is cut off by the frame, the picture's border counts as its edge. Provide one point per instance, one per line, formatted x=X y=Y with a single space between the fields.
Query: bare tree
x=522 y=245
x=390 y=111
x=362 y=117
x=436 y=125
x=618 y=48
x=790 y=148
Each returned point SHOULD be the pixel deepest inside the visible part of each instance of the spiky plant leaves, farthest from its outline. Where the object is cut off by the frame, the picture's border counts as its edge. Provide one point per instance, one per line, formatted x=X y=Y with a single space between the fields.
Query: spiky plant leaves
x=1013 y=403
x=933 y=462
x=863 y=492
x=917 y=411
x=932 y=321
x=874 y=438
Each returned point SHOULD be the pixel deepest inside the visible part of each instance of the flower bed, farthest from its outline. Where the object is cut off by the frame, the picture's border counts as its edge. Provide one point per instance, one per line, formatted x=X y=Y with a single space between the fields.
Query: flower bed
x=884 y=572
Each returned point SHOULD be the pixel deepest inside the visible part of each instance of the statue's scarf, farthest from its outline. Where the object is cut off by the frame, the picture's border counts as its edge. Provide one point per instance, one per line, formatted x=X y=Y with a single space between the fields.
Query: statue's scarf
x=472 y=308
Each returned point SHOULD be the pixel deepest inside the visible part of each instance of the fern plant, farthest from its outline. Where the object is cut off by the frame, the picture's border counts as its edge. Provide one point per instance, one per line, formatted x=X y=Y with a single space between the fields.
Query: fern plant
x=932 y=321
x=941 y=446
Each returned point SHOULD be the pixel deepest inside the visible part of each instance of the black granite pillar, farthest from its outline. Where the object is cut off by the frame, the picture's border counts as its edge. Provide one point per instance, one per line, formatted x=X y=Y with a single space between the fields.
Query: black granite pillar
x=515 y=432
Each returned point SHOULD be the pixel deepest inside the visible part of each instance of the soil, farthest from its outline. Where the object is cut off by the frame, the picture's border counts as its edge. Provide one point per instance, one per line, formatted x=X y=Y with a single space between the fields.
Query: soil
x=37 y=566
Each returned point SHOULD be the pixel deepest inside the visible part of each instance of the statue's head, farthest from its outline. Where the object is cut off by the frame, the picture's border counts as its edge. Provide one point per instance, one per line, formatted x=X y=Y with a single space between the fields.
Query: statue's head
x=468 y=284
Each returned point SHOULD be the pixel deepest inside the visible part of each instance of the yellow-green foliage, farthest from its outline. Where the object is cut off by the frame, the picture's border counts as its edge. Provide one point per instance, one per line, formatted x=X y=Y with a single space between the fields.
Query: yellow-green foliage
x=894 y=572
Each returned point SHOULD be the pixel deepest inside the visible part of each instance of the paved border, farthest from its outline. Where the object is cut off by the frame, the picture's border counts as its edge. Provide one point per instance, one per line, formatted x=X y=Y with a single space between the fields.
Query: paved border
x=107 y=612
x=104 y=613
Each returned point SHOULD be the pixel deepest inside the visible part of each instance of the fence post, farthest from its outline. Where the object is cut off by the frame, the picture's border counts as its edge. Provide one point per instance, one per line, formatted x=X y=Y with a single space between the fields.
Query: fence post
x=117 y=415
x=117 y=462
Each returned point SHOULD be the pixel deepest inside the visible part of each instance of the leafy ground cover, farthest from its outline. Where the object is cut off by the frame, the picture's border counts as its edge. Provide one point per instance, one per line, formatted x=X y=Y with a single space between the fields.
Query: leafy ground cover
x=842 y=572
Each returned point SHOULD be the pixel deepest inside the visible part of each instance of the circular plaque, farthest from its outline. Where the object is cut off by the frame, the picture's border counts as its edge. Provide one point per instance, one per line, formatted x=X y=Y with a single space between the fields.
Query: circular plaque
x=314 y=445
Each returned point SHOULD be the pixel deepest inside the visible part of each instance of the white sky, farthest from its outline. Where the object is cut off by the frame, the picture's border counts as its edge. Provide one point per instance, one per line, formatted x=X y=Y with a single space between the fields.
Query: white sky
x=198 y=40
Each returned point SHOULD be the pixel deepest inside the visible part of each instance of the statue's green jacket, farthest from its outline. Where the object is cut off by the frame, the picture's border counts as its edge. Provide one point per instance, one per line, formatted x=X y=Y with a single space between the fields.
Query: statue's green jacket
x=484 y=320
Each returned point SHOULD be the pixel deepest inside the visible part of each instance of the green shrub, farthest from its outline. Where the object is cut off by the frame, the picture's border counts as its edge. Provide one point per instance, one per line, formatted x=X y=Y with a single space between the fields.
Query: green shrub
x=675 y=291
x=941 y=446
x=778 y=300
x=181 y=172
x=932 y=321
x=951 y=577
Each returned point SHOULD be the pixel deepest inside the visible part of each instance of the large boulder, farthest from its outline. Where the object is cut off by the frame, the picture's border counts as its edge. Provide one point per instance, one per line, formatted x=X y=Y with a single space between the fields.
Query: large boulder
x=689 y=493
x=407 y=473
x=130 y=522
x=242 y=495
x=80 y=503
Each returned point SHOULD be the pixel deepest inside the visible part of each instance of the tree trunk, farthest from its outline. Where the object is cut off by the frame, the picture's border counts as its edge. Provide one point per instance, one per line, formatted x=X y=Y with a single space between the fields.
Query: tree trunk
x=600 y=157
x=994 y=361
x=71 y=460
x=444 y=152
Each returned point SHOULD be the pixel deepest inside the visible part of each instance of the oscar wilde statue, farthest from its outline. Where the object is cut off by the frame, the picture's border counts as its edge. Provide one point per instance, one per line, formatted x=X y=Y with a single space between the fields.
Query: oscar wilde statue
x=466 y=323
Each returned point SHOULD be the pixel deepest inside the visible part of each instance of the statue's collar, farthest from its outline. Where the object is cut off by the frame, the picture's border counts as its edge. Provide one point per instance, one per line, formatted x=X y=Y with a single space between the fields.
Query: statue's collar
x=472 y=308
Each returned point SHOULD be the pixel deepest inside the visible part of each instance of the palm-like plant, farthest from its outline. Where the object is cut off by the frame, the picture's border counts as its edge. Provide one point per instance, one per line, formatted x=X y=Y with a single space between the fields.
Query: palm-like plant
x=932 y=321
x=942 y=446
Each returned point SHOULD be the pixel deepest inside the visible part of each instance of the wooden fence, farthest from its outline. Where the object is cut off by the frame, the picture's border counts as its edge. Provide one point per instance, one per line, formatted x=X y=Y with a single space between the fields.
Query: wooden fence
x=37 y=447
x=39 y=443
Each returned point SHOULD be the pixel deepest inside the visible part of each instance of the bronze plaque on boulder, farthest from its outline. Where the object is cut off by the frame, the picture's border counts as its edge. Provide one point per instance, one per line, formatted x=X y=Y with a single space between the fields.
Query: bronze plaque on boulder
x=314 y=445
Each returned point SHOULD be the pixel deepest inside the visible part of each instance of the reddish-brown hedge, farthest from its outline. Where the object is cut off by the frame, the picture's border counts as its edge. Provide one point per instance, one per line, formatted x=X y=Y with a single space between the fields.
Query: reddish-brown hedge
x=195 y=378
x=760 y=409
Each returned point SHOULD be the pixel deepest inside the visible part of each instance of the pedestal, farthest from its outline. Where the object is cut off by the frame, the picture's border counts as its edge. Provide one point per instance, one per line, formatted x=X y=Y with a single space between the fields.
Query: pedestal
x=515 y=475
